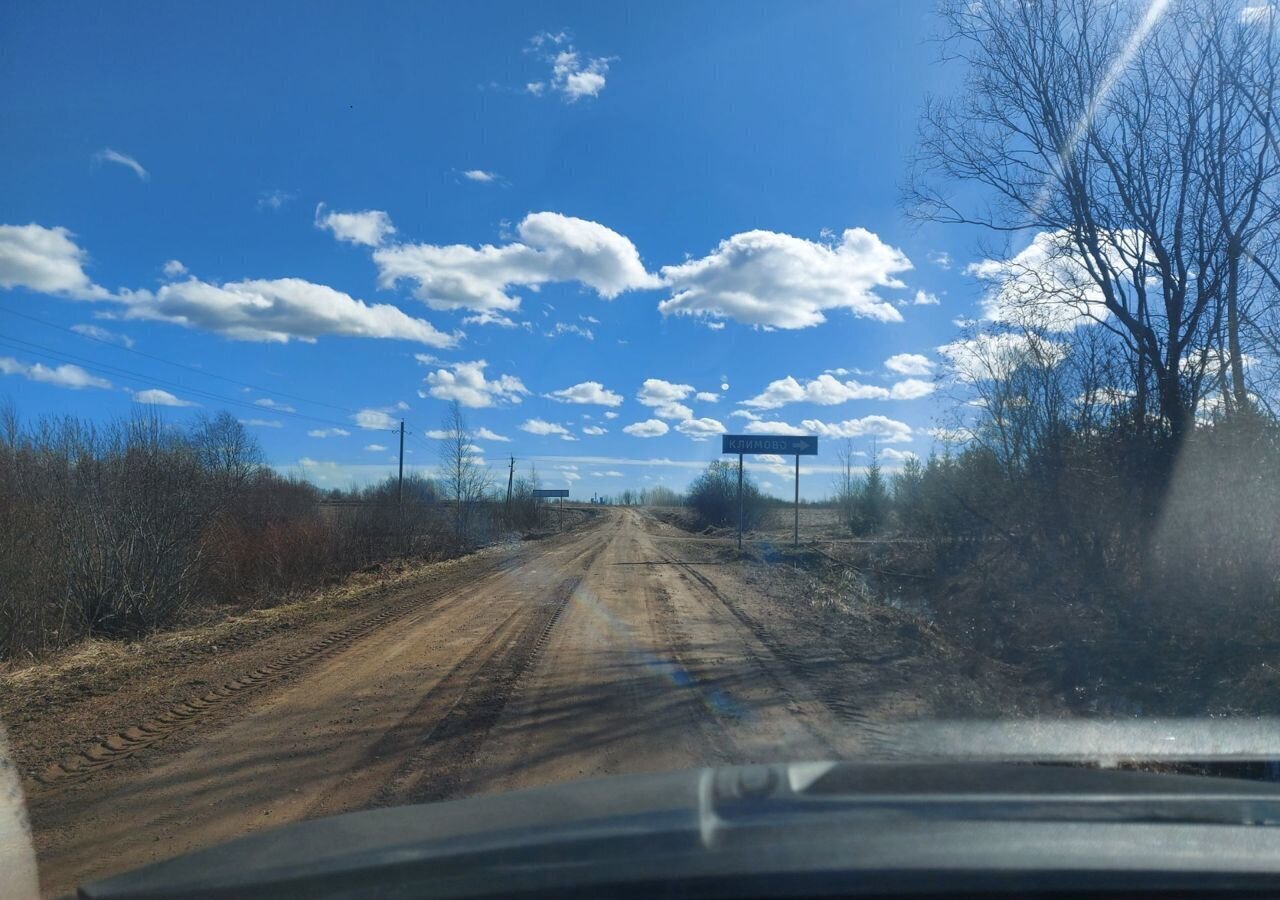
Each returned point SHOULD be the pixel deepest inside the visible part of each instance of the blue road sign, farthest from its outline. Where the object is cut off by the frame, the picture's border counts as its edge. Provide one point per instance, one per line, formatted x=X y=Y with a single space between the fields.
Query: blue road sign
x=781 y=444
x=552 y=492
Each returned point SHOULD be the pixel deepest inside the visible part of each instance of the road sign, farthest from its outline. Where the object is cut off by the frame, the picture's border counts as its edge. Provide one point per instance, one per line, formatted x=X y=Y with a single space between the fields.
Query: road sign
x=551 y=492
x=781 y=444
x=796 y=445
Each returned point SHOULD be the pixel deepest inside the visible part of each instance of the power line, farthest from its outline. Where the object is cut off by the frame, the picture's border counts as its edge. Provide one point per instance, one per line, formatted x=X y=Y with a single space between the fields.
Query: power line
x=169 y=362
x=127 y=374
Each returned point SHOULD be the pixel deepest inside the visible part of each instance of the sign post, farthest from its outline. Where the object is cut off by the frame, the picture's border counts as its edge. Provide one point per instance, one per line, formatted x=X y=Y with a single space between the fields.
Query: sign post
x=739 y=501
x=796 y=445
x=795 y=535
x=559 y=494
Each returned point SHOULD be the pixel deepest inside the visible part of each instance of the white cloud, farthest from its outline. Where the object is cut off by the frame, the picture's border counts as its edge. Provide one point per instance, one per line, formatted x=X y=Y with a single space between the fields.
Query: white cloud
x=762 y=426
x=376 y=420
x=374 y=448
x=543 y=427
x=277 y=310
x=268 y=403
x=676 y=412
x=993 y=355
x=826 y=390
x=587 y=392
x=174 y=269
x=328 y=432
x=662 y=397
x=700 y=429
x=576 y=78
x=612 y=473
x=486 y=435
x=909 y=364
x=611 y=415
x=573 y=76
x=480 y=175
x=655 y=392
x=466 y=383
x=45 y=260
x=106 y=154
x=897 y=455
x=1046 y=285
x=157 y=397
x=959 y=435
x=779 y=281
x=262 y=423
x=102 y=334
x=1260 y=14
x=745 y=414
x=707 y=396
x=594 y=430
x=562 y=328
x=823 y=390
x=924 y=298
x=888 y=431
x=551 y=248
x=65 y=375
x=369 y=227
x=647 y=429
x=273 y=200
x=911 y=389
x=489 y=317
x=941 y=259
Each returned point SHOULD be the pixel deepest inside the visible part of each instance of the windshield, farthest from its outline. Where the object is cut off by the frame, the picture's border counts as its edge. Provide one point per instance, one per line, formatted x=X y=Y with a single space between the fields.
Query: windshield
x=407 y=402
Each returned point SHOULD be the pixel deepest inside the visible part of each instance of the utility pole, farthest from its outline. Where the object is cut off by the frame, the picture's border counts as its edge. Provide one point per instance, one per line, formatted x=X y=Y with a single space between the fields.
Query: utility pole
x=400 y=485
x=511 y=474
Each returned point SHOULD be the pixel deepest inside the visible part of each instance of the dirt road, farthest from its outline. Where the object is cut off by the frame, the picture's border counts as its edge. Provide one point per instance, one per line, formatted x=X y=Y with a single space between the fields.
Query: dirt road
x=601 y=651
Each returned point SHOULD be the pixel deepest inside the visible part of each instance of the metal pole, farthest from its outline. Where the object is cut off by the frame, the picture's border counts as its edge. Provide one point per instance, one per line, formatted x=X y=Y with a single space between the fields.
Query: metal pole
x=795 y=542
x=400 y=486
x=511 y=473
x=739 y=501
x=561 y=528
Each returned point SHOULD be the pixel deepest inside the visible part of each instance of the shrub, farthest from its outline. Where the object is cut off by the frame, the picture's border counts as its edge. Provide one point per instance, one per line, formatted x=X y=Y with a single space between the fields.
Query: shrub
x=713 y=497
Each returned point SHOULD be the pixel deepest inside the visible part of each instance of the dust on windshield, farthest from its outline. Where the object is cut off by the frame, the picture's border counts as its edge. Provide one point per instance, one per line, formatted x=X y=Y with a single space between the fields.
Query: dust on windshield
x=408 y=403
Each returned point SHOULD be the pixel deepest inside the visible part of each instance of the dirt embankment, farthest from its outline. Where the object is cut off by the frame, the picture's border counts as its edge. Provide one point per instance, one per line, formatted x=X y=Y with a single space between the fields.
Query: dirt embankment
x=1070 y=647
x=877 y=656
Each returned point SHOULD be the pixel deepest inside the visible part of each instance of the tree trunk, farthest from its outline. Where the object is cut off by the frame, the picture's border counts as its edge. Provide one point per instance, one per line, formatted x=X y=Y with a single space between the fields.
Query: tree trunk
x=1234 y=353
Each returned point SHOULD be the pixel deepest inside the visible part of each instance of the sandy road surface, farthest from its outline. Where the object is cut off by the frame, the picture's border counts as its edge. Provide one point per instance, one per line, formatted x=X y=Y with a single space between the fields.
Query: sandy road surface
x=595 y=652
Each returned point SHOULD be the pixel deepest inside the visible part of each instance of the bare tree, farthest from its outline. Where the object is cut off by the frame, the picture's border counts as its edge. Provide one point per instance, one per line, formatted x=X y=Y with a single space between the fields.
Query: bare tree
x=465 y=478
x=1141 y=139
x=845 y=483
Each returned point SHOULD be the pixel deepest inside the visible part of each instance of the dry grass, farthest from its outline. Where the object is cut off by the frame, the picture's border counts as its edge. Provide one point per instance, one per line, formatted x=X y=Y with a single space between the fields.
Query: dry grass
x=95 y=667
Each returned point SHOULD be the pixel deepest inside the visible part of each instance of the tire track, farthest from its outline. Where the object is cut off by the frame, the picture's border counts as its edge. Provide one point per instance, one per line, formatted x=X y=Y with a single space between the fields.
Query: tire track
x=129 y=741
x=471 y=699
x=845 y=707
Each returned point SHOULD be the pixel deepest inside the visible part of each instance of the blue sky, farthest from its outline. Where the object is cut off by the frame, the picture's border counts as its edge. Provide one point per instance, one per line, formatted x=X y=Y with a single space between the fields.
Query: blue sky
x=685 y=216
